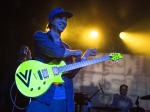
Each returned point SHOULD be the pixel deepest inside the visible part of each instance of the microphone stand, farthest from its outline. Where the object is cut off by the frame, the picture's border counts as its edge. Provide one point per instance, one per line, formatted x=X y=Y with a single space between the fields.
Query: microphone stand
x=89 y=100
x=137 y=104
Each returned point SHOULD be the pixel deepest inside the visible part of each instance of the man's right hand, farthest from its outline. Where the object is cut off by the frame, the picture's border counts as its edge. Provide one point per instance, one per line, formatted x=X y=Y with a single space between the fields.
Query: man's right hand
x=77 y=53
x=73 y=53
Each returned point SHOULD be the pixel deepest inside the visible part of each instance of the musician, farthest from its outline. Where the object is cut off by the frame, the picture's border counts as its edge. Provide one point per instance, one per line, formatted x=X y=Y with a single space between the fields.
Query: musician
x=122 y=101
x=47 y=47
x=8 y=79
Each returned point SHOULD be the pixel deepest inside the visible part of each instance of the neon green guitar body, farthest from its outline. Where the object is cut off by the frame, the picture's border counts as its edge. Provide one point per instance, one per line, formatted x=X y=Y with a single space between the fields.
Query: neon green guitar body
x=33 y=78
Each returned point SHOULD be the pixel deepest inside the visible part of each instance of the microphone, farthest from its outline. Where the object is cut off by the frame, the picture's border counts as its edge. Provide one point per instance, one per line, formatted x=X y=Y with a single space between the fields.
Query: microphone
x=137 y=101
x=101 y=88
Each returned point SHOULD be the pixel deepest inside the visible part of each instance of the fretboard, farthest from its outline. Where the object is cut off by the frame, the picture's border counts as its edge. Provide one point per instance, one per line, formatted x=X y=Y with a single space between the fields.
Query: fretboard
x=82 y=64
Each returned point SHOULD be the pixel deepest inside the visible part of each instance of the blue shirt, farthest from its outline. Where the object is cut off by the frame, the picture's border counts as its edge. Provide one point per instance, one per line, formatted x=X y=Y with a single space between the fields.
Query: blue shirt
x=122 y=103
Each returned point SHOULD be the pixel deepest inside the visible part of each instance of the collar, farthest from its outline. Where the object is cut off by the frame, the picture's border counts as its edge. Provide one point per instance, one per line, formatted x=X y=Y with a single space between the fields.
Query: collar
x=49 y=35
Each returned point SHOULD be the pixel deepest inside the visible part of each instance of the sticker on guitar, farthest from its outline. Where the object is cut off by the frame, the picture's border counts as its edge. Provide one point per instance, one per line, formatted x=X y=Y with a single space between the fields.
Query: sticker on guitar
x=33 y=78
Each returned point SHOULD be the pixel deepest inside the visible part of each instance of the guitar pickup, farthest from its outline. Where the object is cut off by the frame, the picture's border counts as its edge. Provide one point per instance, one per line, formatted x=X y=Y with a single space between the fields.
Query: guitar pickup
x=45 y=73
x=55 y=70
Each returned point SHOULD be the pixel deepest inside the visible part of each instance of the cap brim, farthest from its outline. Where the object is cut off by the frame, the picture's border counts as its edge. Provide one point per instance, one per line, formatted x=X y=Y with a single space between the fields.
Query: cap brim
x=67 y=14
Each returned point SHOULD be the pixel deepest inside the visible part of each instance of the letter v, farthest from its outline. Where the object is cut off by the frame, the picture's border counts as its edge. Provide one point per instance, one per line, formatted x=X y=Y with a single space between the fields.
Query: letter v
x=25 y=77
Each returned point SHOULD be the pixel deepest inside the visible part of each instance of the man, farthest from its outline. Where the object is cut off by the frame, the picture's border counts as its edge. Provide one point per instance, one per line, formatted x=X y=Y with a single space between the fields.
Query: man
x=47 y=47
x=122 y=101
x=8 y=79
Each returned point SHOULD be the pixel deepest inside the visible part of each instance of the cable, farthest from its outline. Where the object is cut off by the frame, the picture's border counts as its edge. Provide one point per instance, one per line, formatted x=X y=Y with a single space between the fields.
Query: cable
x=14 y=101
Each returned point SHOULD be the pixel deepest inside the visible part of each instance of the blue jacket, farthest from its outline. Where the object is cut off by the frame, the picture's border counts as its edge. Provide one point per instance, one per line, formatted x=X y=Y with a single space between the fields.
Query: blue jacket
x=45 y=50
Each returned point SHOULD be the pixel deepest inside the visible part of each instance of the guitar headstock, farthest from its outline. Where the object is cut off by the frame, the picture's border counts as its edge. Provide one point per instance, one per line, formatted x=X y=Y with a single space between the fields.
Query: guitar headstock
x=115 y=56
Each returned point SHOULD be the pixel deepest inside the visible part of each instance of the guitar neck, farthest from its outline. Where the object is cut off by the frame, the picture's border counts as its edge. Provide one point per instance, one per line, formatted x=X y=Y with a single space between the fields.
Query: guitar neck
x=82 y=64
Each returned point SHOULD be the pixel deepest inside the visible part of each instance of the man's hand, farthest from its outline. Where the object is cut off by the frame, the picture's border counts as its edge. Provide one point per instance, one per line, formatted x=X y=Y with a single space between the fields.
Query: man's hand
x=92 y=52
x=77 y=53
x=73 y=53
x=89 y=52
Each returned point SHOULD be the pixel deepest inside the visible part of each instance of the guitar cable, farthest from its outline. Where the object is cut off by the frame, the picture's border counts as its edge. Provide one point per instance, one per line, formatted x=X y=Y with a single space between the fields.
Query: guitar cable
x=14 y=101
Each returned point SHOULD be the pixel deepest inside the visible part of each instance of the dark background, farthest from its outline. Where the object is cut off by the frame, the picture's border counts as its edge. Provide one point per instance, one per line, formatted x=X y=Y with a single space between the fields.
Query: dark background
x=21 y=18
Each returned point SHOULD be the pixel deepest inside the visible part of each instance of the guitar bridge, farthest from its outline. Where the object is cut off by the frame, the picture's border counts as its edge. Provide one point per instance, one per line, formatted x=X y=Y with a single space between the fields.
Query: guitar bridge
x=55 y=70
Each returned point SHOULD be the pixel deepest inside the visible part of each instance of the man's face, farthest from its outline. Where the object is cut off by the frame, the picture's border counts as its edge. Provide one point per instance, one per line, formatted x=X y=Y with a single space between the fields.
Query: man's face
x=123 y=90
x=59 y=23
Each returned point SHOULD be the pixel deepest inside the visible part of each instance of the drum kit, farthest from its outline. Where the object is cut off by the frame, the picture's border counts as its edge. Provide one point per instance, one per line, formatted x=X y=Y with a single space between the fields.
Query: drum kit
x=147 y=97
x=138 y=108
x=134 y=109
x=82 y=99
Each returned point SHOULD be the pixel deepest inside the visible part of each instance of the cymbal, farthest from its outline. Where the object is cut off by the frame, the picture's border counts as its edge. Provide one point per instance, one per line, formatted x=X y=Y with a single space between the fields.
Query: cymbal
x=106 y=108
x=147 y=97
x=137 y=109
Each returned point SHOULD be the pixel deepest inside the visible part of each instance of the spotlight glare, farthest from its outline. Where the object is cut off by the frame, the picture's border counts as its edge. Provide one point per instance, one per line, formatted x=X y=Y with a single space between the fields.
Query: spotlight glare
x=94 y=34
x=122 y=35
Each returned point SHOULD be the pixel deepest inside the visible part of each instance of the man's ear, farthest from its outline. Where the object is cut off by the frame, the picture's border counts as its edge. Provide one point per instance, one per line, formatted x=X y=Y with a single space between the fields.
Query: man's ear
x=51 y=22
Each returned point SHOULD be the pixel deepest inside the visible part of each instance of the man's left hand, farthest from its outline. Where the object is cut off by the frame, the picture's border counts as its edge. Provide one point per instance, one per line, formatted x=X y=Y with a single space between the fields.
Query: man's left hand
x=89 y=52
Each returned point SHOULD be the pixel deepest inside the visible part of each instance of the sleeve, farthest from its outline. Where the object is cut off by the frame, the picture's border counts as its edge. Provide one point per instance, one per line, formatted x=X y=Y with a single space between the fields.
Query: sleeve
x=44 y=45
x=72 y=73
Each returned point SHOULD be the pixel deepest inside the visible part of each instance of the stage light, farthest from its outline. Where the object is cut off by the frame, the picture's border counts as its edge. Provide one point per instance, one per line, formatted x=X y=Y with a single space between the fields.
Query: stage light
x=122 y=35
x=94 y=34
x=136 y=42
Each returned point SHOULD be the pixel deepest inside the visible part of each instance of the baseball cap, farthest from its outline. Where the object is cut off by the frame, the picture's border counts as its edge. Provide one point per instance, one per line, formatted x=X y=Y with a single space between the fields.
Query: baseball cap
x=57 y=11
